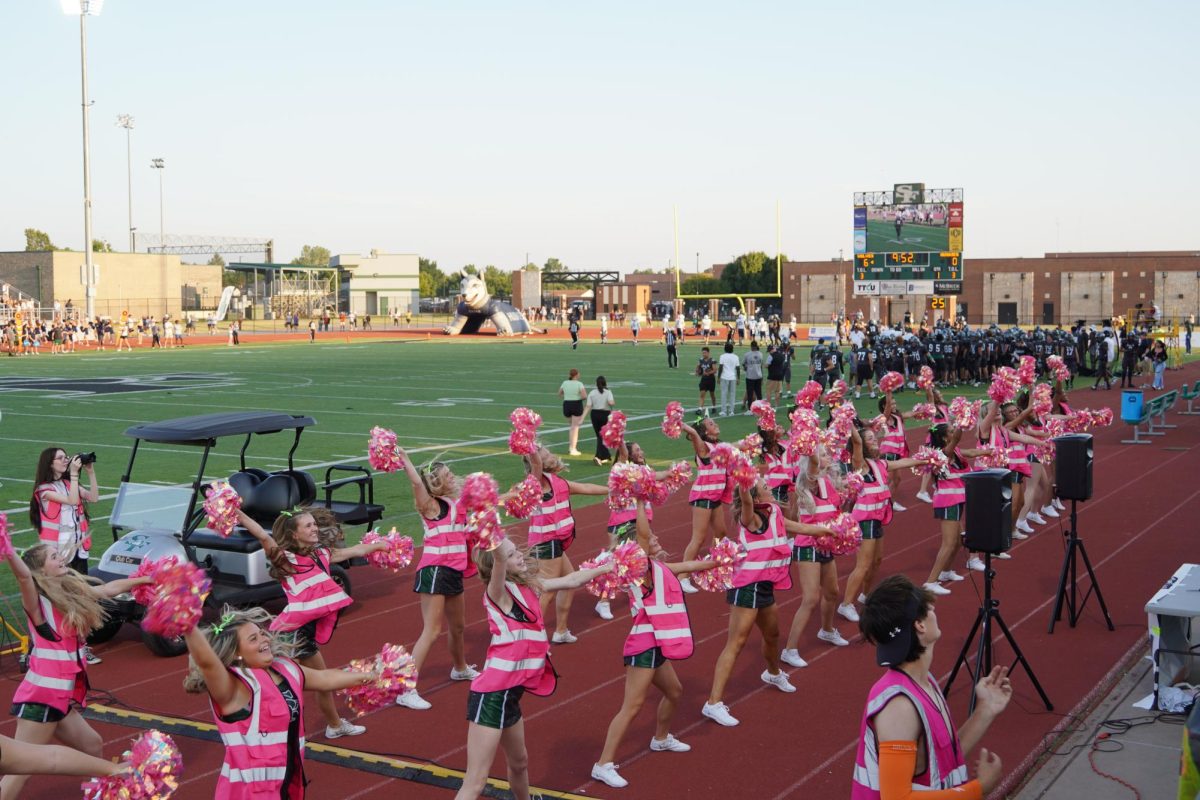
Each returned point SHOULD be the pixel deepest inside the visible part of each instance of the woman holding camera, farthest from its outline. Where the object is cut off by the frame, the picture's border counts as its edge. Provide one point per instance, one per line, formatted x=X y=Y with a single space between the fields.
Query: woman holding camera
x=57 y=508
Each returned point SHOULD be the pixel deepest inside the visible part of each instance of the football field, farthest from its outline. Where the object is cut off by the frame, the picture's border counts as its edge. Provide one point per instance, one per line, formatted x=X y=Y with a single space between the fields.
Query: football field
x=881 y=237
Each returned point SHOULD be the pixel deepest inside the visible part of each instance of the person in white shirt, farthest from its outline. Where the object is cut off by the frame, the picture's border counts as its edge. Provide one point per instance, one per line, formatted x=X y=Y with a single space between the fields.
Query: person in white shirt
x=604 y=329
x=706 y=327
x=730 y=370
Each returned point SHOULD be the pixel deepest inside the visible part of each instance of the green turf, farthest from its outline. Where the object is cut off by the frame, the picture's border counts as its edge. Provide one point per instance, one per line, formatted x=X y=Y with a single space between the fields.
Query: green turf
x=881 y=237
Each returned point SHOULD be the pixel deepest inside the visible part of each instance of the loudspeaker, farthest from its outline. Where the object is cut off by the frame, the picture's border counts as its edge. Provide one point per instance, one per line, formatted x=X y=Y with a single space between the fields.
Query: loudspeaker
x=1073 y=471
x=989 y=510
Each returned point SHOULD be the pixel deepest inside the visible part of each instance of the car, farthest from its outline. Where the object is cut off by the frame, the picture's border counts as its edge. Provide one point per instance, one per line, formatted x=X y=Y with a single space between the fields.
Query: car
x=155 y=521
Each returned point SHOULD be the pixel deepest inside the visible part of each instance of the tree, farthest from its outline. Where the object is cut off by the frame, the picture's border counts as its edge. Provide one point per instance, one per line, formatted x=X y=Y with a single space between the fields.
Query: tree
x=499 y=282
x=650 y=271
x=750 y=273
x=37 y=241
x=101 y=246
x=554 y=265
x=313 y=256
x=469 y=269
x=216 y=260
x=701 y=284
x=531 y=267
x=234 y=278
x=432 y=281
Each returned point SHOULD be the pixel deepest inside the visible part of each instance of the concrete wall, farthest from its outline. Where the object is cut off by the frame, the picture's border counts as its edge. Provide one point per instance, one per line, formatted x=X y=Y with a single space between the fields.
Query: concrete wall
x=381 y=283
x=141 y=283
x=526 y=288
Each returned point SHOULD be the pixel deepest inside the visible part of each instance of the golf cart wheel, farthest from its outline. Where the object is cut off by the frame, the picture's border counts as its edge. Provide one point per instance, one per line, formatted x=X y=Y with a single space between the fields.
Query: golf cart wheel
x=108 y=630
x=162 y=646
x=341 y=578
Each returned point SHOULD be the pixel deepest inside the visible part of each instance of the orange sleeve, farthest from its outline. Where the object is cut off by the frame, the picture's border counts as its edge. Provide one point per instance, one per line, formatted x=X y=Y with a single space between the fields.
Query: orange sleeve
x=898 y=764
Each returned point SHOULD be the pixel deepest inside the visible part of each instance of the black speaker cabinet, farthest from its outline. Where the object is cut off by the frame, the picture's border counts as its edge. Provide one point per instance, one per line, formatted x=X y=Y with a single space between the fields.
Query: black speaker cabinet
x=1073 y=470
x=989 y=511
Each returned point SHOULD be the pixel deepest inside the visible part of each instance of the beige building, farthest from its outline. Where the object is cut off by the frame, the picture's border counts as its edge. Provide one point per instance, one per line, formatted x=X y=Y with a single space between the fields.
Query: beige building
x=378 y=283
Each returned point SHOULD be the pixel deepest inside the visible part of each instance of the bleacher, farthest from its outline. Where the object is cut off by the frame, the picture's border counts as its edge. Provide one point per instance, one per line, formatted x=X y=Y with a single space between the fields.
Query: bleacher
x=1154 y=414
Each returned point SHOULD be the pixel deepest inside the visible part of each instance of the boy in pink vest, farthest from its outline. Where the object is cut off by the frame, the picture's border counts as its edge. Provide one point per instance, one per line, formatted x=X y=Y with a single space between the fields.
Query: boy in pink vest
x=908 y=746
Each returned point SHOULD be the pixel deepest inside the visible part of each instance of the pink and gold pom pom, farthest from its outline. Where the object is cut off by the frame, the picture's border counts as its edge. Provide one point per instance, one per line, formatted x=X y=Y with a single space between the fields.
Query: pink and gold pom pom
x=765 y=413
x=523 y=439
x=991 y=457
x=221 y=507
x=751 y=446
x=613 y=432
x=1103 y=417
x=891 y=382
x=525 y=418
x=629 y=564
x=728 y=554
x=479 y=492
x=836 y=393
x=395 y=673
x=485 y=527
x=6 y=548
x=742 y=470
x=933 y=461
x=524 y=498
x=1041 y=400
x=178 y=601
x=853 y=486
x=382 y=451
x=924 y=411
x=672 y=424
x=143 y=593
x=1059 y=367
x=804 y=437
x=964 y=414
x=846 y=538
x=1027 y=370
x=399 y=552
x=878 y=424
x=627 y=482
x=153 y=770
x=925 y=378
x=809 y=394
x=678 y=475
x=1004 y=386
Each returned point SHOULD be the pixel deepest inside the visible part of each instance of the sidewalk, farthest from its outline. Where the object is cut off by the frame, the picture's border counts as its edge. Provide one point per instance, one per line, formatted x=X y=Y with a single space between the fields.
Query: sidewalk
x=1145 y=756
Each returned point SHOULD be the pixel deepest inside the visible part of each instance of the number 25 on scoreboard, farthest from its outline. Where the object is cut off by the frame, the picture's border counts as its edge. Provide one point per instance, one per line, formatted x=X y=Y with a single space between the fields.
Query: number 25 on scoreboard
x=937 y=303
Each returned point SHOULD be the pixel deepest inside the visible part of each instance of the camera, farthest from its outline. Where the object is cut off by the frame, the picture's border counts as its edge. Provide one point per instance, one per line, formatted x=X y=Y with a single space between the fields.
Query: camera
x=86 y=458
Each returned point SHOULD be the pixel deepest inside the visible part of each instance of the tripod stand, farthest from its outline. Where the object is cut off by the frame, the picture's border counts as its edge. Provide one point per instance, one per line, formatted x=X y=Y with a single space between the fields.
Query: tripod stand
x=1073 y=603
x=989 y=611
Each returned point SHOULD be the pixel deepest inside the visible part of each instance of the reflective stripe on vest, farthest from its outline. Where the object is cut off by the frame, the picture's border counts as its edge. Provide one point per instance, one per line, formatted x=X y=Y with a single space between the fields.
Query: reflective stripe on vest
x=822 y=511
x=661 y=619
x=256 y=748
x=314 y=597
x=710 y=479
x=517 y=653
x=875 y=498
x=445 y=542
x=768 y=555
x=54 y=666
x=552 y=519
x=779 y=471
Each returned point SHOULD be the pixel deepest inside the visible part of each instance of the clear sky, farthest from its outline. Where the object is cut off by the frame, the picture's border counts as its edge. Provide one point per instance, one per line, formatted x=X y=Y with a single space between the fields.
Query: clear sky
x=477 y=132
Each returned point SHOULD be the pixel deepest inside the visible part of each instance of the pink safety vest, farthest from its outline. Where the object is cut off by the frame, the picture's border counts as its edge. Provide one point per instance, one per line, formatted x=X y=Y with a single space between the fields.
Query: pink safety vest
x=628 y=513
x=768 y=554
x=827 y=503
x=57 y=673
x=519 y=652
x=893 y=441
x=1017 y=461
x=944 y=764
x=875 y=499
x=312 y=595
x=553 y=519
x=51 y=515
x=256 y=748
x=949 y=489
x=710 y=480
x=660 y=619
x=780 y=471
x=445 y=542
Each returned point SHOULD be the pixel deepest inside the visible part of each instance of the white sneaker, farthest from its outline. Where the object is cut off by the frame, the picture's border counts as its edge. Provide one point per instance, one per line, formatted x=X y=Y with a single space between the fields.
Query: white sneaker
x=607 y=773
x=950 y=576
x=936 y=588
x=847 y=610
x=792 y=658
x=566 y=637
x=1059 y=504
x=411 y=699
x=1023 y=526
x=1002 y=556
x=604 y=610
x=344 y=728
x=779 y=680
x=975 y=564
x=862 y=598
x=897 y=507
x=669 y=744
x=1035 y=518
x=857 y=395
x=468 y=674
x=719 y=713
x=1049 y=511
x=832 y=637
x=686 y=585
x=91 y=657
x=872 y=395
x=924 y=497
x=1016 y=534
x=574 y=453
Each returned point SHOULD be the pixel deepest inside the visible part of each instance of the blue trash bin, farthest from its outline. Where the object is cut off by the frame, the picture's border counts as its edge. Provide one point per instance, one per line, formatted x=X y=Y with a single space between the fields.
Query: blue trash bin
x=1131 y=405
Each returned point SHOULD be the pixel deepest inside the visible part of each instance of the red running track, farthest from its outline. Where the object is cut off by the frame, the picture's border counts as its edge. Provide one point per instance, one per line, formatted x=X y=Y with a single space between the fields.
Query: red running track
x=1137 y=529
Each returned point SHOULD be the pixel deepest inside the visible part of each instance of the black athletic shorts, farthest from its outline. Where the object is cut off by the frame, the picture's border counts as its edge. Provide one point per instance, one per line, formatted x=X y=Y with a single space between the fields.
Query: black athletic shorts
x=499 y=710
x=303 y=640
x=438 y=580
x=647 y=659
x=572 y=408
x=756 y=595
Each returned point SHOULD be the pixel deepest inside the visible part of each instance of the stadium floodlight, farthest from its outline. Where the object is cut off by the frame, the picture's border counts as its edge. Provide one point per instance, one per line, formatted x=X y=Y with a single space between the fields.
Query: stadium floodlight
x=85 y=9
x=126 y=121
x=160 y=165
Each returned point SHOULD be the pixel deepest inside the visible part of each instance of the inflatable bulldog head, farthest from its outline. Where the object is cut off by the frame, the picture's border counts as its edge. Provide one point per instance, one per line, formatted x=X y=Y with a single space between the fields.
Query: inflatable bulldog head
x=475 y=293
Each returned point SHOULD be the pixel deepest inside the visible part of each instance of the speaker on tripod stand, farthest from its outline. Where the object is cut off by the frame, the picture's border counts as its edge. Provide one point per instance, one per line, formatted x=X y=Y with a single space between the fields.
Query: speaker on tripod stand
x=1073 y=454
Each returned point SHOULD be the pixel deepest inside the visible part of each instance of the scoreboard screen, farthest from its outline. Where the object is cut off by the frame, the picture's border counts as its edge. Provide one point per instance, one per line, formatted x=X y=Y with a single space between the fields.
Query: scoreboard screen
x=914 y=236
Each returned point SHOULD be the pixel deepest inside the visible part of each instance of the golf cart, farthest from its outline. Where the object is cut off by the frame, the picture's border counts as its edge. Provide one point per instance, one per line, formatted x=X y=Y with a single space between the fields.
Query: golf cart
x=155 y=520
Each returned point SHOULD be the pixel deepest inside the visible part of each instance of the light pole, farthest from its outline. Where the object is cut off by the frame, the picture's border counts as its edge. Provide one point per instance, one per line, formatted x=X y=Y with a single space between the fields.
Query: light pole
x=85 y=9
x=160 y=165
x=126 y=121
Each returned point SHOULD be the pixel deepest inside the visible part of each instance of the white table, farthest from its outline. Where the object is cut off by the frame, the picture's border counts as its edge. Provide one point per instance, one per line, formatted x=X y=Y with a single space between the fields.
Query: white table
x=1174 y=614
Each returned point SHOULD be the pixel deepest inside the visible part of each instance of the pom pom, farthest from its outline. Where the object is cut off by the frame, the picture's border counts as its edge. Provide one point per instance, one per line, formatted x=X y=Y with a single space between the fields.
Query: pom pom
x=395 y=674
x=1060 y=369
x=524 y=498
x=6 y=548
x=399 y=552
x=485 y=527
x=479 y=492
x=522 y=441
x=932 y=461
x=381 y=451
x=1103 y=417
x=613 y=432
x=1027 y=370
x=221 y=507
x=600 y=586
x=846 y=538
x=751 y=446
x=924 y=410
x=1004 y=386
x=628 y=482
x=143 y=593
x=629 y=567
x=729 y=554
x=925 y=378
x=678 y=476
x=836 y=393
x=525 y=418
x=765 y=413
x=1041 y=400
x=804 y=437
x=878 y=424
x=734 y=462
x=853 y=486
x=809 y=394
x=672 y=424
x=991 y=457
x=154 y=766
x=891 y=382
x=178 y=601
x=964 y=414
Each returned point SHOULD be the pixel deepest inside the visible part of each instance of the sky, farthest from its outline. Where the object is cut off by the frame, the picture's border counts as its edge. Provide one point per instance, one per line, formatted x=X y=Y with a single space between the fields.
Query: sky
x=479 y=132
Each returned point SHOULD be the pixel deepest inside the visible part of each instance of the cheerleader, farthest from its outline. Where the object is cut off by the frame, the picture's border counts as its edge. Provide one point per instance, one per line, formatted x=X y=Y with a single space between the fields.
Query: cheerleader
x=941 y=413
x=710 y=491
x=62 y=608
x=893 y=445
x=818 y=500
x=518 y=659
x=661 y=634
x=445 y=561
x=763 y=531
x=873 y=510
x=314 y=599
x=999 y=426
x=781 y=472
x=257 y=700
x=551 y=531
x=949 y=504
x=1038 y=484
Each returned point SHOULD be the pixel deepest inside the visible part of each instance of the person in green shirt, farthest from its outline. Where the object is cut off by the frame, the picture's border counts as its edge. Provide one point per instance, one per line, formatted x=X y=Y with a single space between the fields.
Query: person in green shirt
x=573 y=394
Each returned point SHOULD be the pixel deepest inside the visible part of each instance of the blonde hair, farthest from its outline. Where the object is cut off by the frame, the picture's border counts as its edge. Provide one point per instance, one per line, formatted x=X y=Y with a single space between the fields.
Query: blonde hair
x=486 y=561
x=551 y=464
x=70 y=593
x=225 y=642
x=436 y=483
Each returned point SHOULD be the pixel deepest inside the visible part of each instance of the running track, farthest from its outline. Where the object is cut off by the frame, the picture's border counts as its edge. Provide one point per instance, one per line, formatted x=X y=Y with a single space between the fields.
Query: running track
x=1137 y=528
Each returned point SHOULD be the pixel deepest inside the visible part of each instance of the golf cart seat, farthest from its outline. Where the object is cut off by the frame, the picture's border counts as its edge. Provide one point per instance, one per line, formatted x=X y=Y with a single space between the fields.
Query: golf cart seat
x=243 y=483
x=349 y=512
x=304 y=484
x=237 y=542
x=274 y=494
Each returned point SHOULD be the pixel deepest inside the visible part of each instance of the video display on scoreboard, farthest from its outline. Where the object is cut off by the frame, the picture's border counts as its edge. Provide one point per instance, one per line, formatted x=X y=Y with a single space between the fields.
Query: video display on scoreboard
x=908 y=228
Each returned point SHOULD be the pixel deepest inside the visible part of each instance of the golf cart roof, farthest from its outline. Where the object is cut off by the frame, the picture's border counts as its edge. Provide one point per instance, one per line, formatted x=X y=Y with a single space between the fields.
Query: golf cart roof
x=203 y=428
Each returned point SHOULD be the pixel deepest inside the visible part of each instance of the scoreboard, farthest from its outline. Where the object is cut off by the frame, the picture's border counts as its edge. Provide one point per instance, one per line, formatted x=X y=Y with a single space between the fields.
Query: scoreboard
x=908 y=266
x=908 y=241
